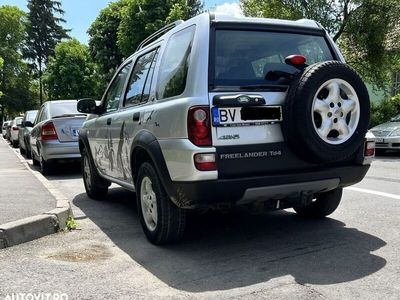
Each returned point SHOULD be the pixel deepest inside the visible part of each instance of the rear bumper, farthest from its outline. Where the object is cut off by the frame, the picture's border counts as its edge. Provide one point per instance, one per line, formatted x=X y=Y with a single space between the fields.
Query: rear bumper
x=56 y=150
x=388 y=143
x=263 y=188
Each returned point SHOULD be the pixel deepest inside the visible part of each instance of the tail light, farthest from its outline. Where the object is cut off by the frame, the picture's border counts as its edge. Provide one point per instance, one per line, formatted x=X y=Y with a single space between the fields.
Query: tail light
x=369 y=149
x=15 y=128
x=199 y=127
x=49 y=132
x=205 y=162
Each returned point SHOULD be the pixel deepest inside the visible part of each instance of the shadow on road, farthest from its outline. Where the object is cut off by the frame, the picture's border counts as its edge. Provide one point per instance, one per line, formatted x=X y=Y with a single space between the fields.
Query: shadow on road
x=67 y=170
x=225 y=251
x=387 y=155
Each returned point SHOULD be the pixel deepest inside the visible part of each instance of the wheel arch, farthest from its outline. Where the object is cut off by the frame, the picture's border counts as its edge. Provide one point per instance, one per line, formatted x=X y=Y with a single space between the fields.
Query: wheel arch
x=145 y=148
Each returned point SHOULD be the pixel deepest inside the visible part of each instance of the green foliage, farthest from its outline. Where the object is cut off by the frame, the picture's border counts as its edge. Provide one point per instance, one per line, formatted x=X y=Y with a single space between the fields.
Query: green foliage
x=103 y=38
x=70 y=73
x=143 y=17
x=15 y=76
x=360 y=26
x=43 y=32
x=71 y=224
x=385 y=110
x=1 y=70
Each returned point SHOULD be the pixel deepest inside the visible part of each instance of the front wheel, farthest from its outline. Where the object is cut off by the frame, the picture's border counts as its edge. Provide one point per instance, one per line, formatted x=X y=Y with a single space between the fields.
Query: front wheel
x=162 y=220
x=324 y=205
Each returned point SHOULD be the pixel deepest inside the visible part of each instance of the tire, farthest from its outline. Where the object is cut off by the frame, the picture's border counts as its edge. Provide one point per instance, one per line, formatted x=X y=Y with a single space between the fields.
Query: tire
x=46 y=168
x=14 y=144
x=324 y=205
x=28 y=152
x=167 y=221
x=22 y=150
x=35 y=162
x=326 y=112
x=95 y=186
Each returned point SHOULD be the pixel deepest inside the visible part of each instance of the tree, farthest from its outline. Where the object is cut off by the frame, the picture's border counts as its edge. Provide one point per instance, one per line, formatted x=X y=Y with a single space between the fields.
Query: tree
x=1 y=71
x=15 y=75
x=103 y=37
x=103 y=40
x=43 y=33
x=143 y=17
x=359 y=26
x=70 y=73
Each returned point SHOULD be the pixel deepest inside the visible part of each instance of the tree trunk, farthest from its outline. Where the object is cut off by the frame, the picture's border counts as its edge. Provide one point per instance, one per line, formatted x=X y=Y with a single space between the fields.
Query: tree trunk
x=40 y=83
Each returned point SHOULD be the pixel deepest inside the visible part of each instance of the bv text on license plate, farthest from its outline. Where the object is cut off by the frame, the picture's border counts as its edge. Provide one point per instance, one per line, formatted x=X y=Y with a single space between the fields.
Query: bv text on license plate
x=245 y=116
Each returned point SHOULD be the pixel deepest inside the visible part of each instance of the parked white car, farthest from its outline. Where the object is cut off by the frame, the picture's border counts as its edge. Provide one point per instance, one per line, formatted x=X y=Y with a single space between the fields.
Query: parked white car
x=15 y=126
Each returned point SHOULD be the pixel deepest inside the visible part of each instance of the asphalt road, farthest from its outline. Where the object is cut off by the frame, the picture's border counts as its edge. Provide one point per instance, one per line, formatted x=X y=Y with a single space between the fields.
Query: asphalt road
x=354 y=254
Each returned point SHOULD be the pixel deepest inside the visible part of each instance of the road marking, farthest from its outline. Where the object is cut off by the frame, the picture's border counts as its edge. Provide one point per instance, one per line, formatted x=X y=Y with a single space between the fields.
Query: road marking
x=393 y=196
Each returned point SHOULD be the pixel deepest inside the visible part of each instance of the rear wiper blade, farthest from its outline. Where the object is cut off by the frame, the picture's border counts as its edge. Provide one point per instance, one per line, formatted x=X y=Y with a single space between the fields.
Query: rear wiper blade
x=68 y=115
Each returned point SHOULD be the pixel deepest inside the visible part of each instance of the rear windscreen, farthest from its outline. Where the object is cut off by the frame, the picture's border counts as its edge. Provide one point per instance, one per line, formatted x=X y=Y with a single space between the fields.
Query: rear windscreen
x=245 y=57
x=63 y=108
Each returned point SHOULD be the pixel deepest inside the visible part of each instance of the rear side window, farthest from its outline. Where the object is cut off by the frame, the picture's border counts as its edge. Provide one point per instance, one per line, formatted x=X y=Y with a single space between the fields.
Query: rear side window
x=139 y=84
x=175 y=64
x=245 y=57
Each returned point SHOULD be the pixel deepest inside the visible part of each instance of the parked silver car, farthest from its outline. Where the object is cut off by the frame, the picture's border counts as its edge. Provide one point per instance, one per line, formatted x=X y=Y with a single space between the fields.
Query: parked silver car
x=24 y=132
x=4 y=129
x=54 y=136
x=388 y=134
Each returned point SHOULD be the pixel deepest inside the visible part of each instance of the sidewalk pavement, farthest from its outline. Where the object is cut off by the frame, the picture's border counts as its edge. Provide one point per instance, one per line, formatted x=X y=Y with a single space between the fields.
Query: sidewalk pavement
x=29 y=206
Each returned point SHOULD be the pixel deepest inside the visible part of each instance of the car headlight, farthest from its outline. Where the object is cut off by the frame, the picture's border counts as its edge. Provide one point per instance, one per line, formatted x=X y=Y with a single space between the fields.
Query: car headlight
x=396 y=132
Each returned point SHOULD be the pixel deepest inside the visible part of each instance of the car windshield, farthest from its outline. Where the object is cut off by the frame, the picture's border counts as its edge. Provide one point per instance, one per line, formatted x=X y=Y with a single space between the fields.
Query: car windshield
x=18 y=121
x=395 y=119
x=245 y=57
x=63 y=109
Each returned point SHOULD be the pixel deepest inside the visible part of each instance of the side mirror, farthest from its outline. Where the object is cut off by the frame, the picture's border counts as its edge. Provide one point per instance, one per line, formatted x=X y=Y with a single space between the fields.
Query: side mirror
x=27 y=124
x=88 y=106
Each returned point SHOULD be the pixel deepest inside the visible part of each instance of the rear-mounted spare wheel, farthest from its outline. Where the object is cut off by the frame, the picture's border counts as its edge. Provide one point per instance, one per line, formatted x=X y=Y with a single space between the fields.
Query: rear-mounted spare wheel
x=326 y=113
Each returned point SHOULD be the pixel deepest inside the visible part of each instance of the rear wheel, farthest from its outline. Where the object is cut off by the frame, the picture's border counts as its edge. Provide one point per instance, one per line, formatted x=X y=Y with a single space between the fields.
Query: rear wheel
x=28 y=151
x=162 y=221
x=95 y=186
x=45 y=167
x=324 y=205
x=35 y=162
x=22 y=150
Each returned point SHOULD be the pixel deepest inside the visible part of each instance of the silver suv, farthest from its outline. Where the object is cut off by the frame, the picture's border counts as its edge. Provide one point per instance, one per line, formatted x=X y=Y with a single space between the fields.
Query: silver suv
x=220 y=111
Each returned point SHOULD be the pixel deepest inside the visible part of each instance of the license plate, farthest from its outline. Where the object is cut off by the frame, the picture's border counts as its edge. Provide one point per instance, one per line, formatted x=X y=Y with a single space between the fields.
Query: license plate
x=245 y=116
x=379 y=140
x=75 y=132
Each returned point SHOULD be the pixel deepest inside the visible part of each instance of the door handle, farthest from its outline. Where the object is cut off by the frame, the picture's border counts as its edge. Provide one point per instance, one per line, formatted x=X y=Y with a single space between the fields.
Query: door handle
x=136 y=117
x=109 y=121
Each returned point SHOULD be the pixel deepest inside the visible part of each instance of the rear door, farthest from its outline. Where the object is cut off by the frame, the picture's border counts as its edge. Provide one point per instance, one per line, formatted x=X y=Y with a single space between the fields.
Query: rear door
x=134 y=113
x=101 y=141
x=248 y=81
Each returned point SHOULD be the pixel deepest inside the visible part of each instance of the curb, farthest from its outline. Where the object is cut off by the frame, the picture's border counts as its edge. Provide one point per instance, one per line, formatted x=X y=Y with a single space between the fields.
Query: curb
x=28 y=229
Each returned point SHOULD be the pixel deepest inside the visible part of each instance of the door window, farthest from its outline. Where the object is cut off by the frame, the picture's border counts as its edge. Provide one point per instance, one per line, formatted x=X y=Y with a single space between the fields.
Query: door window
x=138 y=90
x=114 y=93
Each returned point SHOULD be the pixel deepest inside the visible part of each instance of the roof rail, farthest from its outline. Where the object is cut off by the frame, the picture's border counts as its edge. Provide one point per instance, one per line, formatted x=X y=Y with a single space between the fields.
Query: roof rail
x=158 y=33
